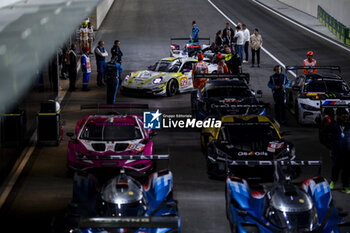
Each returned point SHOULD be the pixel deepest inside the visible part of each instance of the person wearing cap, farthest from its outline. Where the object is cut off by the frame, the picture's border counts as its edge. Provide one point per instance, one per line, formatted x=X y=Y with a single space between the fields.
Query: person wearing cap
x=195 y=31
x=222 y=67
x=86 y=68
x=199 y=68
x=339 y=138
x=278 y=83
x=100 y=54
x=309 y=61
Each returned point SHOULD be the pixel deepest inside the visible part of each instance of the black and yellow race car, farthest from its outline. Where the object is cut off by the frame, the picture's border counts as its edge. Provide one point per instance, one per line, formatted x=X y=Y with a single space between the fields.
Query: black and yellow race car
x=253 y=137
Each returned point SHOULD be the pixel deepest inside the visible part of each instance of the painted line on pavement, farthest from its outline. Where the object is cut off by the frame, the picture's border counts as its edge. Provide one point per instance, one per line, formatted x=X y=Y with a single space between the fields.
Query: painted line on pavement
x=302 y=26
x=262 y=48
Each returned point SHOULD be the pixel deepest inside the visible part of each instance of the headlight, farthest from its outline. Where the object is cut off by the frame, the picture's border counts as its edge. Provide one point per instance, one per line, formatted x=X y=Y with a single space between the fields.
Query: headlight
x=127 y=78
x=157 y=80
x=309 y=107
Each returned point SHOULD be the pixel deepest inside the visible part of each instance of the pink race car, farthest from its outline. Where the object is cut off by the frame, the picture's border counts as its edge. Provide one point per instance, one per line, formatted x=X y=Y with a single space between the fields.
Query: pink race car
x=100 y=137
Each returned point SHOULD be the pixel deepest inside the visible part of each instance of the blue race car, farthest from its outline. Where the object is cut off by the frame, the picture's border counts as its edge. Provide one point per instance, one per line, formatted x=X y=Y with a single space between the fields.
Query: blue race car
x=226 y=94
x=283 y=207
x=106 y=202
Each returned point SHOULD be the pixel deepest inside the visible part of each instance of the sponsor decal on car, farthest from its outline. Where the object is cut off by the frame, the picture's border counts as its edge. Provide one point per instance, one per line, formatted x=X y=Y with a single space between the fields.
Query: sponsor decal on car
x=258 y=153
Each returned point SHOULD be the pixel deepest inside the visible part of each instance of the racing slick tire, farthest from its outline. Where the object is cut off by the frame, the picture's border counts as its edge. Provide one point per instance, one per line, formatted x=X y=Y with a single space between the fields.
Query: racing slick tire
x=171 y=87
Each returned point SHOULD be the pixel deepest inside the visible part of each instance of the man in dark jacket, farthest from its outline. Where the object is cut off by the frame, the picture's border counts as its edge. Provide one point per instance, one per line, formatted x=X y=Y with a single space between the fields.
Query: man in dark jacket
x=115 y=51
x=278 y=83
x=113 y=70
x=339 y=132
x=232 y=61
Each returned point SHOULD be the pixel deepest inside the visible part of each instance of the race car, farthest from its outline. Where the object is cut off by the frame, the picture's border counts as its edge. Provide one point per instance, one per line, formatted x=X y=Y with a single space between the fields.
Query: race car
x=167 y=76
x=244 y=137
x=190 y=49
x=282 y=207
x=115 y=197
x=307 y=92
x=101 y=135
x=231 y=96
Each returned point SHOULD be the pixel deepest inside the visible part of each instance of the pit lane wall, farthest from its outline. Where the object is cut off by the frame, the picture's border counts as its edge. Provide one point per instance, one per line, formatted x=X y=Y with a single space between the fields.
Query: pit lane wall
x=100 y=13
x=332 y=13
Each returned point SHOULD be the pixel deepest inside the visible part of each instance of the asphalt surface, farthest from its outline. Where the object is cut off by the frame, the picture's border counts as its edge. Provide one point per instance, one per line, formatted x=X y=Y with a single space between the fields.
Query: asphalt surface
x=144 y=29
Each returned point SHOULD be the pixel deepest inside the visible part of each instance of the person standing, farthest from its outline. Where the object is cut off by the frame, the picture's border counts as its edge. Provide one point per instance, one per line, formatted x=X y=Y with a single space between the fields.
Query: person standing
x=232 y=60
x=72 y=67
x=84 y=35
x=100 y=54
x=222 y=67
x=239 y=43
x=256 y=42
x=195 y=31
x=246 y=37
x=113 y=70
x=91 y=36
x=86 y=68
x=219 y=40
x=115 y=50
x=339 y=133
x=226 y=29
x=278 y=82
x=198 y=68
x=309 y=61
x=228 y=39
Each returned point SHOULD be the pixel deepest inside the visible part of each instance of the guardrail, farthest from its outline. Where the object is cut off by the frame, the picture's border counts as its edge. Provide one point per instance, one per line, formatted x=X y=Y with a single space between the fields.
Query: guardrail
x=337 y=28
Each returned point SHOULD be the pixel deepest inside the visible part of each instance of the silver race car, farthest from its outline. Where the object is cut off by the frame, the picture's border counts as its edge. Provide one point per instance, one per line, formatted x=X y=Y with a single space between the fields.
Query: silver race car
x=167 y=76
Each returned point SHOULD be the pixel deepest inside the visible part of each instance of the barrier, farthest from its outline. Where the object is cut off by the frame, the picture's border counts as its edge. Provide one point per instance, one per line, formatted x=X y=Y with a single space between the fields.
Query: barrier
x=338 y=29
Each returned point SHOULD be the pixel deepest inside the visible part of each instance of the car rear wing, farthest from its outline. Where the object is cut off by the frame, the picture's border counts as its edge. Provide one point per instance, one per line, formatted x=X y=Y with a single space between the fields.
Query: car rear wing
x=114 y=106
x=237 y=105
x=123 y=157
x=241 y=76
x=331 y=68
x=123 y=222
x=187 y=39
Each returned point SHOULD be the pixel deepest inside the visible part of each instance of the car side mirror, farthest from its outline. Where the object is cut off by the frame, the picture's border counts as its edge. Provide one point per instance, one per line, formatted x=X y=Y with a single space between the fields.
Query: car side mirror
x=149 y=67
x=152 y=134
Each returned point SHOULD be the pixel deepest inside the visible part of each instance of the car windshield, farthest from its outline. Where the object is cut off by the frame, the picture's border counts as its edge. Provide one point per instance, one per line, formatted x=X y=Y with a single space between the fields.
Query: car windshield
x=301 y=221
x=250 y=137
x=111 y=132
x=326 y=86
x=166 y=66
x=223 y=92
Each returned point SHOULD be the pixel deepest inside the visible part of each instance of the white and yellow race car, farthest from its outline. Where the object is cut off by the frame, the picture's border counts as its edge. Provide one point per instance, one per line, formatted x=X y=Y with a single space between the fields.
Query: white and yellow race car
x=168 y=76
